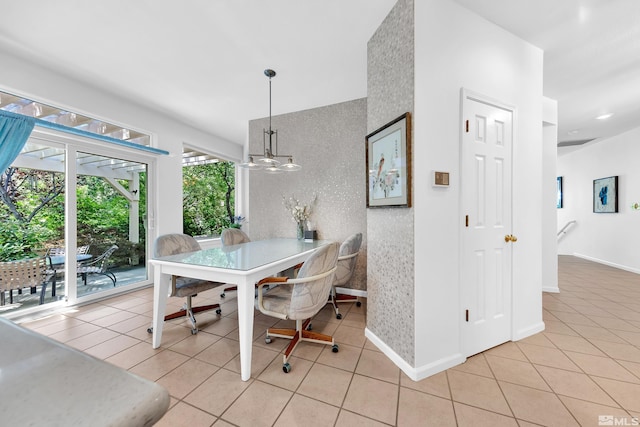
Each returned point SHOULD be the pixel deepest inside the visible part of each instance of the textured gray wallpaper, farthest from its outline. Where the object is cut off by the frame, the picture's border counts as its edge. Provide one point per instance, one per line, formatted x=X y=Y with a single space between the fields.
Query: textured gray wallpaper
x=390 y=261
x=329 y=143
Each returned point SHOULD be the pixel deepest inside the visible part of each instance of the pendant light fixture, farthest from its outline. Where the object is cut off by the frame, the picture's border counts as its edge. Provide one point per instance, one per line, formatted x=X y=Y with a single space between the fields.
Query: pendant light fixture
x=268 y=160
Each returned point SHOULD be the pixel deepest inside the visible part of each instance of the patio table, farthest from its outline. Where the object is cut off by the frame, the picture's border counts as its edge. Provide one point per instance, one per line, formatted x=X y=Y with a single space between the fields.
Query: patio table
x=56 y=263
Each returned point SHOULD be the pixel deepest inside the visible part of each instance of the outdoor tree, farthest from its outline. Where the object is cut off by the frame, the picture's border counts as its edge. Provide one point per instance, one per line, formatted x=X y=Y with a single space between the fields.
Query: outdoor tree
x=32 y=209
x=28 y=212
x=208 y=198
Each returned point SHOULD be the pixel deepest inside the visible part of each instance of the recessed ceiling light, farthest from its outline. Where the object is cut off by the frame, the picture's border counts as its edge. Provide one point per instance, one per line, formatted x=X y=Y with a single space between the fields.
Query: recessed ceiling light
x=573 y=132
x=604 y=116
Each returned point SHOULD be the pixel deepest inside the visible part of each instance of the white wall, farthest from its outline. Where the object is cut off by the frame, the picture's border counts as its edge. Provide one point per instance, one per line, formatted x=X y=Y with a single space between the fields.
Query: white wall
x=455 y=48
x=549 y=198
x=328 y=143
x=26 y=79
x=390 y=260
x=611 y=238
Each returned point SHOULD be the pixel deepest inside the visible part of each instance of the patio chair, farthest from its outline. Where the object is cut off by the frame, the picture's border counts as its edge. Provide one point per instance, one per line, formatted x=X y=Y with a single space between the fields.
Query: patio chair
x=54 y=270
x=99 y=265
x=60 y=251
x=26 y=273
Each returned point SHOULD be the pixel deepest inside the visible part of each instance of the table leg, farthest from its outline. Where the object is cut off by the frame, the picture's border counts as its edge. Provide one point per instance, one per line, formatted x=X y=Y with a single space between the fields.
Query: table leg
x=246 y=293
x=161 y=284
x=54 y=284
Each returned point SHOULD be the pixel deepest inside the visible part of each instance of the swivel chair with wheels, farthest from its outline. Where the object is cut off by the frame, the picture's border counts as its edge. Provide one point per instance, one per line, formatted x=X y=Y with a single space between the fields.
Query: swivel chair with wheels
x=232 y=236
x=173 y=244
x=347 y=258
x=300 y=299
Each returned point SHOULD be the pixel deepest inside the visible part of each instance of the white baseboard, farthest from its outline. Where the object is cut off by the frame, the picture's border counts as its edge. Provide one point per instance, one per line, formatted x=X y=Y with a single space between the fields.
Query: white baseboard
x=552 y=289
x=610 y=264
x=349 y=291
x=419 y=373
x=531 y=330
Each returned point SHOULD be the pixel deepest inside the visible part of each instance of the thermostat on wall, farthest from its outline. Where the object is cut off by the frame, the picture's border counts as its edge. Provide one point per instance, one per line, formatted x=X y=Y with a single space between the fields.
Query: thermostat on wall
x=440 y=179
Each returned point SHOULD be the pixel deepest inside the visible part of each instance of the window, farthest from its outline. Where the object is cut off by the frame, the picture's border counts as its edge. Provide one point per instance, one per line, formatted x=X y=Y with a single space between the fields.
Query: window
x=208 y=197
x=102 y=203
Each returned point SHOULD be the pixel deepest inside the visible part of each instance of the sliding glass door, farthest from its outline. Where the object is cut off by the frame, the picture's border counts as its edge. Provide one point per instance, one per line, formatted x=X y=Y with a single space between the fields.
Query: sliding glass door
x=111 y=210
x=87 y=206
x=32 y=218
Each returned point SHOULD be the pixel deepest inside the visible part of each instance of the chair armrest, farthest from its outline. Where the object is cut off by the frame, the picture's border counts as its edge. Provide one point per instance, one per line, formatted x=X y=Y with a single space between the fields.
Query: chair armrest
x=260 y=285
x=268 y=280
x=343 y=257
x=312 y=278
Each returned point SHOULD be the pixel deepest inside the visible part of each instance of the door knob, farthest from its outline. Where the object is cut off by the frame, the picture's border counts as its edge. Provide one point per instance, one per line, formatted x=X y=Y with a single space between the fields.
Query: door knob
x=510 y=238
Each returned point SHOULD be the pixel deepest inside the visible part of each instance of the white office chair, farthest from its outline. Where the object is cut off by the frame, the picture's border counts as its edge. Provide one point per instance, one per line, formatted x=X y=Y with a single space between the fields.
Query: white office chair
x=346 y=267
x=173 y=244
x=232 y=236
x=300 y=299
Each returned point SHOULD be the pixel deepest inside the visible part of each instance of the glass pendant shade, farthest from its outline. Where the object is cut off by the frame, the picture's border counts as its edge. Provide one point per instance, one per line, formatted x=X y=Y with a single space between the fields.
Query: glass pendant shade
x=290 y=166
x=267 y=161
x=251 y=165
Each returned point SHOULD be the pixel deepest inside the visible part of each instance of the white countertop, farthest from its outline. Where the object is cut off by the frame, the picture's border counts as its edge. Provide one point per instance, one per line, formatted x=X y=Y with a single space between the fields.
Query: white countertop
x=43 y=382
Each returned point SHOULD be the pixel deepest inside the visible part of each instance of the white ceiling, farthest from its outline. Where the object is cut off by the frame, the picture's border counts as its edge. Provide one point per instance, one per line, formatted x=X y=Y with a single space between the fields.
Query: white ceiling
x=591 y=58
x=203 y=60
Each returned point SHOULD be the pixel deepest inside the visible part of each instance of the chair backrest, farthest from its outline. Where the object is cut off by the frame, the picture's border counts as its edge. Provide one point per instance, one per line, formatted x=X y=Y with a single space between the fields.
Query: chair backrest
x=57 y=251
x=347 y=265
x=60 y=251
x=103 y=260
x=310 y=297
x=233 y=236
x=24 y=273
x=173 y=244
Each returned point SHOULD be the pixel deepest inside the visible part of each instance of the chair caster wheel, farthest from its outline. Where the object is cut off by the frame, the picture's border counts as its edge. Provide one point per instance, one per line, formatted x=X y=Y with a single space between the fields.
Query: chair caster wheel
x=150 y=330
x=267 y=340
x=222 y=295
x=334 y=348
x=338 y=316
x=194 y=331
x=218 y=312
x=286 y=368
x=358 y=303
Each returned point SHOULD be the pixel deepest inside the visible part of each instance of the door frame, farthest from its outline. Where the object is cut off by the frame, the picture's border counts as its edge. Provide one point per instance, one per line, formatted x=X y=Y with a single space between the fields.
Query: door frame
x=467 y=94
x=72 y=144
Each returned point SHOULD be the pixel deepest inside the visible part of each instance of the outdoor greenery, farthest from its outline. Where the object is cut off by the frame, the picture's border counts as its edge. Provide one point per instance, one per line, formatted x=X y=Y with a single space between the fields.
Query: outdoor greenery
x=208 y=198
x=32 y=210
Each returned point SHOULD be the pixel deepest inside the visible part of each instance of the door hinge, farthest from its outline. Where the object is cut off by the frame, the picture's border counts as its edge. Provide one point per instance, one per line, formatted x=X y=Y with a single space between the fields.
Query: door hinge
x=466 y=315
x=467 y=126
x=466 y=220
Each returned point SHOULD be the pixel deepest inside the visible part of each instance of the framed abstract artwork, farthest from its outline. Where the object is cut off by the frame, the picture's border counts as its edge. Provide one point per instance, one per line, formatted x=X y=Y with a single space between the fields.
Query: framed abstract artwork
x=605 y=195
x=388 y=154
x=559 y=199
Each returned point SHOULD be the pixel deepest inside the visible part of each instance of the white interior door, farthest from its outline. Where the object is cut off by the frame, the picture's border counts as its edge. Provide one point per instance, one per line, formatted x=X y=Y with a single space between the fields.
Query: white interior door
x=486 y=237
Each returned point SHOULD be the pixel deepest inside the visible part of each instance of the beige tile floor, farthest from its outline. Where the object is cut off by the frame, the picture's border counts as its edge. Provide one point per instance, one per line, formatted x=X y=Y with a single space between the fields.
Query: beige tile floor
x=585 y=364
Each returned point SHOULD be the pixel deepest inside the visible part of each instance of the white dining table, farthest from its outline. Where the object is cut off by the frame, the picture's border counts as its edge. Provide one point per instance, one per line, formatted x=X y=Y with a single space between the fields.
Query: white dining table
x=242 y=265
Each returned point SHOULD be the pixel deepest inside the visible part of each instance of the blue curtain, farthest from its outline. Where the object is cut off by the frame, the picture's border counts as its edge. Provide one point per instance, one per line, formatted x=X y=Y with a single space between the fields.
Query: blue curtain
x=14 y=132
